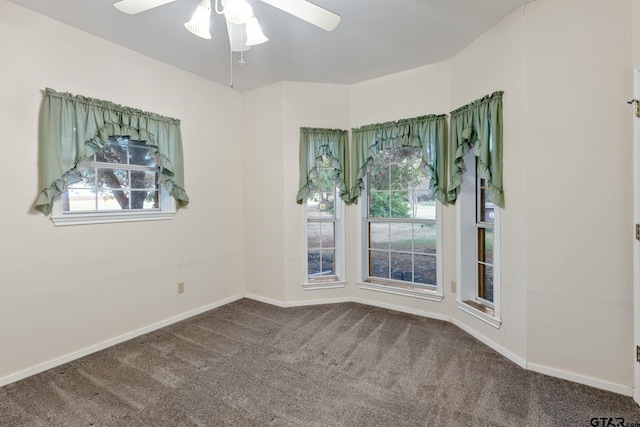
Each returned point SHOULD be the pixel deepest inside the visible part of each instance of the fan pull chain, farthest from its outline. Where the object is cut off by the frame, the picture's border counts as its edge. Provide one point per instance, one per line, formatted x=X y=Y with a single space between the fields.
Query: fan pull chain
x=242 y=31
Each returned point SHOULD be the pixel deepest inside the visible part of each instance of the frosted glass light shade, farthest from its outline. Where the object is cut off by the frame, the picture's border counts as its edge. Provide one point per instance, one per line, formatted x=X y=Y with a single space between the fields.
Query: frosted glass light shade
x=237 y=11
x=200 y=21
x=254 y=33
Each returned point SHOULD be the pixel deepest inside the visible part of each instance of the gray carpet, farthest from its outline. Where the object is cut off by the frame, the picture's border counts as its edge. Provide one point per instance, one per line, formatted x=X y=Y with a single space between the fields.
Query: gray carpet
x=252 y=364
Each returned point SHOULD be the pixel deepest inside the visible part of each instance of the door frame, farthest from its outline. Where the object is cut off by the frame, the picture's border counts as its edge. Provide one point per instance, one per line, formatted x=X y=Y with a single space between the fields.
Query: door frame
x=636 y=242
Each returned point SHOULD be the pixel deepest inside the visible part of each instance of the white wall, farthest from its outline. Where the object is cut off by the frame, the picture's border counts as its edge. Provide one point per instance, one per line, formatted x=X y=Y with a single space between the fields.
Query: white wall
x=67 y=289
x=579 y=189
x=263 y=193
x=496 y=61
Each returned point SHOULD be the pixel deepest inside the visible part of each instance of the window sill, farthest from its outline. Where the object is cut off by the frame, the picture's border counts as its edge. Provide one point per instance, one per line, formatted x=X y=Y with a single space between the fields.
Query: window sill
x=323 y=285
x=105 y=218
x=404 y=290
x=480 y=311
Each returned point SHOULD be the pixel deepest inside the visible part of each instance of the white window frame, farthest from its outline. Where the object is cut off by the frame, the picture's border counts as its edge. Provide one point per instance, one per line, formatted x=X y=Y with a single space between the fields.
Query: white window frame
x=467 y=297
x=431 y=293
x=338 y=259
x=166 y=211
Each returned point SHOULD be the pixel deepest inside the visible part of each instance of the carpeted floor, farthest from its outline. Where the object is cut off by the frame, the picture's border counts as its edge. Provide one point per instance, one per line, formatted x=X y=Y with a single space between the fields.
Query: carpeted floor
x=252 y=364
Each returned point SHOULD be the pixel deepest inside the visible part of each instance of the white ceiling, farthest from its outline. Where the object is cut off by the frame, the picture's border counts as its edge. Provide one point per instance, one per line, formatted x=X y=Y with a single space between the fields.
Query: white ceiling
x=374 y=37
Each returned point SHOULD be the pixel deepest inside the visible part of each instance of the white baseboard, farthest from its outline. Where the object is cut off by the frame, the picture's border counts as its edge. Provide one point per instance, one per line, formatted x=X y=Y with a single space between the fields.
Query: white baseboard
x=111 y=342
x=265 y=300
x=592 y=382
x=300 y=303
x=581 y=379
x=520 y=361
x=401 y=309
x=365 y=301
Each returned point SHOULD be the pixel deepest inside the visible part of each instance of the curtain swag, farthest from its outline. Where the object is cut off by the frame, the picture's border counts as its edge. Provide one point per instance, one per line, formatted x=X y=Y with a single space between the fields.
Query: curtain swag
x=477 y=125
x=425 y=133
x=315 y=143
x=73 y=128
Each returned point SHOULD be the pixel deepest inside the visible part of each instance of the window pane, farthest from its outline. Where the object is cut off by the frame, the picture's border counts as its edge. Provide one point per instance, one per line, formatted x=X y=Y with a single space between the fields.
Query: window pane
x=485 y=245
x=379 y=264
x=328 y=263
x=401 y=237
x=485 y=282
x=379 y=235
x=379 y=174
x=113 y=178
x=139 y=154
x=88 y=180
x=327 y=234
x=398 y=177
x=144 y=179
x=144 y=199
x=313 y=263
x=313 y=205
x=399 y=204
x=485 y=207
x=401 y=268
x=113 y=153
x=424 y=238
x=378 y=204
x=326 y=205
x=313 y=235
x=424 y=269
x=425 y=205
x=80 y=200
x=324 y=180
x=113 y=200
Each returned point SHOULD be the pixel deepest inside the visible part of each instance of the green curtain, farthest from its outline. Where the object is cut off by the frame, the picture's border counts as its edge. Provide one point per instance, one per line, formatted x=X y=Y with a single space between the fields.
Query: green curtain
x=479 y=126
x=315 y=143
x=73 y=128
x=425 y=133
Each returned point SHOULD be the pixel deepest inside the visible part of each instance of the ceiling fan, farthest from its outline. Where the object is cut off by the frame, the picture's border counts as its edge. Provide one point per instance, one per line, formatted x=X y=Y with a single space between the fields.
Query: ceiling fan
x=242 y=25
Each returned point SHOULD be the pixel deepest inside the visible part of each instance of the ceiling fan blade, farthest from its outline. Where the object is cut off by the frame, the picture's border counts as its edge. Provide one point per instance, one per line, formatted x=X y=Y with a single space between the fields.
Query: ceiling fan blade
x=237 y=37
x=307 y=11
x=136 y=6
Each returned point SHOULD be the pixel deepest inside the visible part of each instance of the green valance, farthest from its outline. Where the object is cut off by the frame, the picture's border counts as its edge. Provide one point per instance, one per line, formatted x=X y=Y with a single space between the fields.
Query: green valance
x=479 y=126
x=73 y=128
x=425 y=133
x=316 y=143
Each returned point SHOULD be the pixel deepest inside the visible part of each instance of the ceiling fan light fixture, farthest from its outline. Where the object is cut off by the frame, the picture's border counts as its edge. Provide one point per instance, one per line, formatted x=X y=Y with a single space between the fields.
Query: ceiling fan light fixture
x=200 y=21
x=254 y=33
x=237 y=11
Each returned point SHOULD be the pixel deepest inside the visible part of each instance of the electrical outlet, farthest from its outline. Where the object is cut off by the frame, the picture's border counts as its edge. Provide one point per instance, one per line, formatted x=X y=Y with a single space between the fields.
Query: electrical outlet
x=180 y=287
x=453 y=286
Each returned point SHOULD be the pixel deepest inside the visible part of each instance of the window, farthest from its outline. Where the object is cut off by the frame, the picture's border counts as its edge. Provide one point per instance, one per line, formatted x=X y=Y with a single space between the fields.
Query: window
x=102 y=162
x=121 y=183
x=323 y=188
x=485 y=215
x=400 y=238
x=323 y=227
x=479 y=252
x=476 y=129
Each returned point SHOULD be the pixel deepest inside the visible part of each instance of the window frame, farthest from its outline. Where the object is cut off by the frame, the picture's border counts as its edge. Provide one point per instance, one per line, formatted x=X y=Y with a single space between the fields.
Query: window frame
x=467 y=226
x=428 y=292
